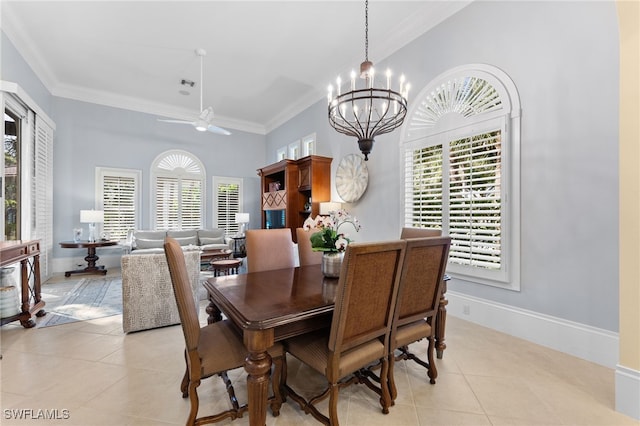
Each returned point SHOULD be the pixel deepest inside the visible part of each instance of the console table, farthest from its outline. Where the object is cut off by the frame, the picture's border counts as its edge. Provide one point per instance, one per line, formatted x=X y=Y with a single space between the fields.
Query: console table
x=91 y=258
x=28 y=254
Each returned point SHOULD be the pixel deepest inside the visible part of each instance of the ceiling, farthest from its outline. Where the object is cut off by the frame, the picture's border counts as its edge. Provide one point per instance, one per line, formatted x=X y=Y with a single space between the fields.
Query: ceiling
x=266 y=60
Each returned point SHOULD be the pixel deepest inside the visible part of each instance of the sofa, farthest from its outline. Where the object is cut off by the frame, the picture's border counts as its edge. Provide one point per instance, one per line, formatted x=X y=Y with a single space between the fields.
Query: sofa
x=151 y=242
x=147 y=294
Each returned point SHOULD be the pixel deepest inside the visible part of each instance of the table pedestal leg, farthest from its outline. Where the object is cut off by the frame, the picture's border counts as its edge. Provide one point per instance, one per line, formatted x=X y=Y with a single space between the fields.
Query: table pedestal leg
x=214 y=313
x=91 y=268
x=258 y=368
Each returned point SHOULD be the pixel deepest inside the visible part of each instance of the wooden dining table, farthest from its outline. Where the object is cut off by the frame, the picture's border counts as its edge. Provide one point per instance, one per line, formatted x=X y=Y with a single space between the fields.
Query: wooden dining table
x=270 y=306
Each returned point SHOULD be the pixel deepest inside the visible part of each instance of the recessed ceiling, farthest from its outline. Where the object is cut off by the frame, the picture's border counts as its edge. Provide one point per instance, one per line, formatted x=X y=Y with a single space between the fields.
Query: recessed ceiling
x=266 y=60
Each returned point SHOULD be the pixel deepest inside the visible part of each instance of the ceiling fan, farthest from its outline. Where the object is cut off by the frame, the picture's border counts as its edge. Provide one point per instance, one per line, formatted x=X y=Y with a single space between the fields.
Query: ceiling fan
x=201 y=123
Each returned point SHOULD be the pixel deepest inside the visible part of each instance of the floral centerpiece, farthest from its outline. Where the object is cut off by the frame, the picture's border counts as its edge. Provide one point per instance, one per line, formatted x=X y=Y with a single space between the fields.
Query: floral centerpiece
x=330 y=239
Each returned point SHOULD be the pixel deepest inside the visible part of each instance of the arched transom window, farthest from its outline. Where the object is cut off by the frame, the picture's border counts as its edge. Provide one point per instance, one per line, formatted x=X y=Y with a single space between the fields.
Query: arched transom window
x=178 y=190
x=460 y=153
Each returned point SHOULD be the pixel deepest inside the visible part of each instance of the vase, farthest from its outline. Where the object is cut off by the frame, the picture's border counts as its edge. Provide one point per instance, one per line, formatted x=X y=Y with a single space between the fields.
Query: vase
x=332 y=263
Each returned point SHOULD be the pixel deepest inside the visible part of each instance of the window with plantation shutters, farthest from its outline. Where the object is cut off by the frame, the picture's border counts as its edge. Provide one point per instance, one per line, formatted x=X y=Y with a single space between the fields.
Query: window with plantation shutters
x=461 y=171
x=227 y=202
x=119 y=197
x=178 y=188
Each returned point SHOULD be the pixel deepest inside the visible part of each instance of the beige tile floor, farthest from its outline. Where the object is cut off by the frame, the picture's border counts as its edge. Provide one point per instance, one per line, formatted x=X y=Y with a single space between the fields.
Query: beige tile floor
x=99 y=376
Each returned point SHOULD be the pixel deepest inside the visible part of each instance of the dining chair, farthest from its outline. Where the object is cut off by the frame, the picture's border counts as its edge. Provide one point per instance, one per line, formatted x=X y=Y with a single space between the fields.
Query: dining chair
x=359 y=334
x=213 y=349
x=306 y=255
x=421 y=281
x=408 y=232
x=269 y=249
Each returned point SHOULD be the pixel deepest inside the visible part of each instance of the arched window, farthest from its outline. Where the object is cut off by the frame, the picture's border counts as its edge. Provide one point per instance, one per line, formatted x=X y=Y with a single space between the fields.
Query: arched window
x=178 y=180
x=460 y=153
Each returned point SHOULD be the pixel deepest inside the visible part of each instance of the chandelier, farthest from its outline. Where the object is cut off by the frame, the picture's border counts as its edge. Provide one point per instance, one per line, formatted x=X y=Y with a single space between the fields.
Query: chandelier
x=366 y=111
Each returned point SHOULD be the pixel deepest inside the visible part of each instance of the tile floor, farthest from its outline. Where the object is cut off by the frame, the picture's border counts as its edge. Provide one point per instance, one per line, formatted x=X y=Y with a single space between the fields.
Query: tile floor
x=93 y=374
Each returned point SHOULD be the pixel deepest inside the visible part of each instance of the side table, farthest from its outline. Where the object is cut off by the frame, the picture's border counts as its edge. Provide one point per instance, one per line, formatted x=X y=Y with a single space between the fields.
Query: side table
x=228 y=266
x=91 y=258
x=239 y=246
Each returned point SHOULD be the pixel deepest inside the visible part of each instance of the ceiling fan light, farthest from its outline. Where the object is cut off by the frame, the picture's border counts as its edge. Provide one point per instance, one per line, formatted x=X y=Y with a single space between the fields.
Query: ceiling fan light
x=201 y=125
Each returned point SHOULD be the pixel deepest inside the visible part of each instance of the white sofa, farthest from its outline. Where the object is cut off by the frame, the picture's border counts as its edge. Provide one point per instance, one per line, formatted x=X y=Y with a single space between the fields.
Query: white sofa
x=150 y=242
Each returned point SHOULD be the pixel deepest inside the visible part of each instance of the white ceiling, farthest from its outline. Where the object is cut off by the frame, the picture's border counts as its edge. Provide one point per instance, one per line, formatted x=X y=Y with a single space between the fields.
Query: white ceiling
x=266 y=60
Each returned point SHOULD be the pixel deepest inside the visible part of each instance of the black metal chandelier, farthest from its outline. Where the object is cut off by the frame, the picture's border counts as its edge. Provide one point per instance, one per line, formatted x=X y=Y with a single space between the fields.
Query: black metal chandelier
x=366 y=111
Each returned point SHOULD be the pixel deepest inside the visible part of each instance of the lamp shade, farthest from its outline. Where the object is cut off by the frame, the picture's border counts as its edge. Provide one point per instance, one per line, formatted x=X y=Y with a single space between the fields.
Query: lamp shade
x=242 y=217
x=91 y=216
x=329 y=206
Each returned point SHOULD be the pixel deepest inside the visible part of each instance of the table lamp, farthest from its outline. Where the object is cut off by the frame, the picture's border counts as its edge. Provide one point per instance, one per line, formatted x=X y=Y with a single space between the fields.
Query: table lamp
x=91 y=217
x=329 y=207
x=242 y=219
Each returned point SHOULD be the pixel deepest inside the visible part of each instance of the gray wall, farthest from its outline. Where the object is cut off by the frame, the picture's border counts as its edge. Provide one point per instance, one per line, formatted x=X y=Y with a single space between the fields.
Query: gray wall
x=91 y=136
x=563 y=58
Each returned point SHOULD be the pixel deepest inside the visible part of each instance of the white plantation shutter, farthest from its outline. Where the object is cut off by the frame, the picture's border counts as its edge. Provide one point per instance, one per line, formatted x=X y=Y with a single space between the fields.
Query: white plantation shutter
x=167 y=201
x=119 y=198
x=178 y=191
x=43 y=193
x=463 y=128
x=227 y=202
x=191 y=204
x=475 y=201
x=423 y=186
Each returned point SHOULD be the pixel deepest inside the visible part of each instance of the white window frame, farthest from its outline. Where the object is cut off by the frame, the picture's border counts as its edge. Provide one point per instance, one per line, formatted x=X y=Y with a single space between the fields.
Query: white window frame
x=423 y=129
x=309 y=145
x=136 y=175
x=233 y=227
x=185 y=167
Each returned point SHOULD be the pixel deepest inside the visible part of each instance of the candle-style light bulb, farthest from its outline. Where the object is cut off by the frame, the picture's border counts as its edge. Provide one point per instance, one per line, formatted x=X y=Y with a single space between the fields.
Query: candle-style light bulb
x=401 y=83
x=388 y=79
x=330 y=94
x=353 y=80
x=338 y=82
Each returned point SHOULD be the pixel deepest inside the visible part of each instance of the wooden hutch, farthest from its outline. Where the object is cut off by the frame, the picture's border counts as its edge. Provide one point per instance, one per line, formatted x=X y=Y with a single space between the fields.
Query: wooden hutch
x=287 y=187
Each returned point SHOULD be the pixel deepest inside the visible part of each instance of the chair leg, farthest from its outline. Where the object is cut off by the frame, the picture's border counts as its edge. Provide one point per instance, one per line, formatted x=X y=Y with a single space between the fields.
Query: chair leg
x=277 y=400
x=393 y=391
x=385 y=399
x=184 y=386
x=333 y=404
x=193 y=398
x=431 y=370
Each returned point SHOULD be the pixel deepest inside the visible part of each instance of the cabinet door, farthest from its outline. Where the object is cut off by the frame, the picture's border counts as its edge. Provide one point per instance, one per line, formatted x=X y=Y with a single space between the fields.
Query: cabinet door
x=304 y=177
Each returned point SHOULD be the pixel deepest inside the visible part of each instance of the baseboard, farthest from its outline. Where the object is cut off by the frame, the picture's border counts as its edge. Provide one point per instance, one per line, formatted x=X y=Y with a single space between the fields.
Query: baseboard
x=580 y=340
x=628 y=392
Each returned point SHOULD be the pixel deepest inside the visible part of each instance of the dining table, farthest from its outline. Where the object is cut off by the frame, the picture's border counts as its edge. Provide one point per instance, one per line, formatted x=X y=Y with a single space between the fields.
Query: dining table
x=269 y=306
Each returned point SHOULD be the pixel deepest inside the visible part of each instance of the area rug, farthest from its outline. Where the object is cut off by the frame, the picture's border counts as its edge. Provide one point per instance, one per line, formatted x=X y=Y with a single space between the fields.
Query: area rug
x=91 y=298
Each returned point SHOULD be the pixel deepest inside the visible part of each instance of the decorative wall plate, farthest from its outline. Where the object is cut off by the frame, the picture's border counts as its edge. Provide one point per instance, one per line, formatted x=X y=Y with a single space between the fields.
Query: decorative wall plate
x=352 y=178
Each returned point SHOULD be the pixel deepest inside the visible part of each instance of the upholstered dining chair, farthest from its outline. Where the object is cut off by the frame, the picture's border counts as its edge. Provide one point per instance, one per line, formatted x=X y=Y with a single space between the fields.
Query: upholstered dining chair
x=419 y=233
x=213 y=349
x=269 y=249
x=365 y=300
x=424 y=264
x=305 y=253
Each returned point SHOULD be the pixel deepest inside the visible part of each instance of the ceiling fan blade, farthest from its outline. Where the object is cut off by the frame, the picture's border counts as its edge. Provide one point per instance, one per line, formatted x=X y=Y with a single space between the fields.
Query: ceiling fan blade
x=175 y=121
x=218 y=130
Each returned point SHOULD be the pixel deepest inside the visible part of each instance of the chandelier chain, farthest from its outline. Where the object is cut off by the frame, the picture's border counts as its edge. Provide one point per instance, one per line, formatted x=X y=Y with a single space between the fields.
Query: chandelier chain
x=366 y=30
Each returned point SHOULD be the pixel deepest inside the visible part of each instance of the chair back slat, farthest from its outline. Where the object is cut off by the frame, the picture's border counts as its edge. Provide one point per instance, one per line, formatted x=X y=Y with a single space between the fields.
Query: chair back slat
x=269 y=249
x=183 y=293
x=366 y=294
x=421 y=278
